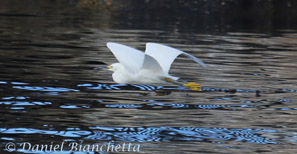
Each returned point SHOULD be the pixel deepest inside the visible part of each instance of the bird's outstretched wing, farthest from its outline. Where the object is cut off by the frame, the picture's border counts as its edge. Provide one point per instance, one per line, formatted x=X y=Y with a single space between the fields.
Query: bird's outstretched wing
x=152 y=65
x=165 y=55
x=132 y=59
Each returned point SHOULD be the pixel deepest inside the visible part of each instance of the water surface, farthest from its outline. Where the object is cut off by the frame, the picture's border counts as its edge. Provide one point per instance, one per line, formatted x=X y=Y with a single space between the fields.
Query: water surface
x=51 y=91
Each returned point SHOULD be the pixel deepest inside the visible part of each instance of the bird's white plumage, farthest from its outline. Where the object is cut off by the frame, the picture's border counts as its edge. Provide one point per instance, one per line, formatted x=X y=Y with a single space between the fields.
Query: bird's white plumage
x=130 y=58
x=165 y=55
x=151 y=64
x=144 y=68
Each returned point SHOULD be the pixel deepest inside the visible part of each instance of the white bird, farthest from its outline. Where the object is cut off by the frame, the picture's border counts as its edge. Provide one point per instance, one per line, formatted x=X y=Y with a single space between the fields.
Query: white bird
x=151 y=67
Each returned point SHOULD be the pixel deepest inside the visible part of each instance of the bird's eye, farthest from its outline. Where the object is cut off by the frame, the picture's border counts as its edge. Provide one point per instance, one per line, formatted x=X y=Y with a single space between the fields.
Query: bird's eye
x=110 y=67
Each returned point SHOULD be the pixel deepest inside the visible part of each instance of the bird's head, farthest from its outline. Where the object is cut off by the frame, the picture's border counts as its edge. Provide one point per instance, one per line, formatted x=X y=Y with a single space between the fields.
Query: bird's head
x=114 y=67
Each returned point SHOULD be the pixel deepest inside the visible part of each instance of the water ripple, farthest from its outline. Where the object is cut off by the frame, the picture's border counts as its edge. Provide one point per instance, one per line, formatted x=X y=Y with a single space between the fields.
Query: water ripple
x=104 y=86
x=36 y=88
x=157 y=134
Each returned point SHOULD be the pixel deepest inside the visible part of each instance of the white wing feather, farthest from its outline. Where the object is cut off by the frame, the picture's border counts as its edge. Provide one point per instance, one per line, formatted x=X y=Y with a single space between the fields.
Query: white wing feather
x=132 y=59
x=152 y=65
x=165 y=55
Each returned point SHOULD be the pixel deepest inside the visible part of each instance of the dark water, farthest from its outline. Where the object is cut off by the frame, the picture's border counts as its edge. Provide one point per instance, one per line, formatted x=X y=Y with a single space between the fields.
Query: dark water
x=52 y=93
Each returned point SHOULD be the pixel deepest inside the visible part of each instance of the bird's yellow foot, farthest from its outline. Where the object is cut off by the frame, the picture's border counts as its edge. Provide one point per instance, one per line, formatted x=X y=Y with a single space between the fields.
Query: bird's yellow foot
x=190 y=85
x=193 y=86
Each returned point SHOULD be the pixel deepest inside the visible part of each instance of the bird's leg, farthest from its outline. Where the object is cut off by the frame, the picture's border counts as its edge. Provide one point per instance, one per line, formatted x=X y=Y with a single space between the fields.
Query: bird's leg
x=171 y=80
x=190 y=85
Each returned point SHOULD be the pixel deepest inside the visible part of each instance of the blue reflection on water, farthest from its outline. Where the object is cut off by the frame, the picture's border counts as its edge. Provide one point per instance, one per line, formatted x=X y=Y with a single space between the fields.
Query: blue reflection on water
x=3 y=82
x=168 y=134
x=151 y=106
x=285 y=100
x=14 y=97
x=19 y=83
x=104 y=86
x=249 y=101
x=159 y=106
x=74 y=106
x=36 y=88
x=157 y=134
x=127 y=106
x=24 y=103
x=288 y=90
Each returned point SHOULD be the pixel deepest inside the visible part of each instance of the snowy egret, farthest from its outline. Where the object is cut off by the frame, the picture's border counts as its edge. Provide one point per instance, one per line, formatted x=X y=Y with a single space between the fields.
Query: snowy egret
x=149 y=67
